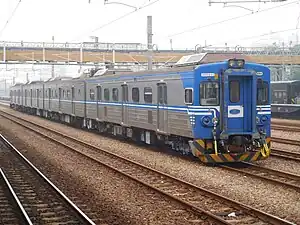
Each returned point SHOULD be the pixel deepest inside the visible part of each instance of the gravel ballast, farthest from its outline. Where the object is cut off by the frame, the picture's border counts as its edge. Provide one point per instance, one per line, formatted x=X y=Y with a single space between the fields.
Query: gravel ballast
x=124 y=200
x=286 y=122
x=286 y=134
x=281 y=201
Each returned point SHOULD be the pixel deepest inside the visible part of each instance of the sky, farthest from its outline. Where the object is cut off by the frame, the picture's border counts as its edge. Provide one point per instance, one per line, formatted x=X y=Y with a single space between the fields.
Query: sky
x=77 y=20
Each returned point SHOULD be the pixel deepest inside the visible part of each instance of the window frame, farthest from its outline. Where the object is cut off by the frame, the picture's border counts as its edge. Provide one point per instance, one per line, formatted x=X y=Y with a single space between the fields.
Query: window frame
x=148 y=95
x=68 y=93
x=189 y=103
x=113 y=96
x=92 y=93
x=218 y=93
x=132 y=96
x=267 y=90
x=239 y=92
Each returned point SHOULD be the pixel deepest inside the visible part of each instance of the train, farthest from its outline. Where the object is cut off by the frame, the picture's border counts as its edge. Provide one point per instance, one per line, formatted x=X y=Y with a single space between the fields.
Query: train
x=219 y=112
x=286 y=99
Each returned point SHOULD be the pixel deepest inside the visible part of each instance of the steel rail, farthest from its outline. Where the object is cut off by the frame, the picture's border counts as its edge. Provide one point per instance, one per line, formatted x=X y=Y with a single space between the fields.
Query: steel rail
x=16 y=199
x=59 y=192
x=285 y=128
x=275 y=176
x=285 y=154
x=286 y=141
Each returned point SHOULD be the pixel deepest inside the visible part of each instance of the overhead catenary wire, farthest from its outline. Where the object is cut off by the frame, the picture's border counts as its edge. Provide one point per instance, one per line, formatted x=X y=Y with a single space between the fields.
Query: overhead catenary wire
x=230 y=19
x=117 y=19
x=261 y=35
x=9 y=18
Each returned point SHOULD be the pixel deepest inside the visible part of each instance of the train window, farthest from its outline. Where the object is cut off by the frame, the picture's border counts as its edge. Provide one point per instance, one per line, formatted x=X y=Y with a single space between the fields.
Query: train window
x=79 y=92
x=106 y=94
x=135 y=94
x=115 y=94
x=56 y=94
x=63 y=94
x=68 y=93
x=188 y=96
x=263 y=92
x=209 y=93
x=148 y=94
x=92 y=94
x=284 y=94
x=234 y=87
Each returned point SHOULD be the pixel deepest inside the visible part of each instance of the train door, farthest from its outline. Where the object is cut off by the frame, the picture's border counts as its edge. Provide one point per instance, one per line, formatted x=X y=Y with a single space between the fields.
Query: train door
x=49 y=98
x=25 y=97
x=43 y=96
x=162 y=111
x=73 y=100
x=124 y=104
x=238 y=96
x=59 y=99
x=99 y=99
x=37 y=98
x=22 y=95
x=31 y=96
x=19 y=97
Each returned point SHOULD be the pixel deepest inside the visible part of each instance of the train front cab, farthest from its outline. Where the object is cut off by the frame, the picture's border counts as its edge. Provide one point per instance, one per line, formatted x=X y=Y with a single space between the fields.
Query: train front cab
x=238 y=128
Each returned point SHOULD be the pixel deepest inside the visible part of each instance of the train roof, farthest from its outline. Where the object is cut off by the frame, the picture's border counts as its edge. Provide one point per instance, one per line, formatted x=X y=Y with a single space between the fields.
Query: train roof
x=186 y=63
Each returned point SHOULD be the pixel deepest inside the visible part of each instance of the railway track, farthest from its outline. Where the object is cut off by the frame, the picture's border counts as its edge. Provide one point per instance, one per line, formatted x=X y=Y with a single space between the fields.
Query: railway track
x=34 y=198
x=285 y=128
x=285 y=155
x=205 y=204
x=286 y=141
x=12 y=211
x=275 y=176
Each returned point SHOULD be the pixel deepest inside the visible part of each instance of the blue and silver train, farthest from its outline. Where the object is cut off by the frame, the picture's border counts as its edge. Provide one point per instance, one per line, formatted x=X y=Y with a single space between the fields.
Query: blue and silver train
x=219 y=112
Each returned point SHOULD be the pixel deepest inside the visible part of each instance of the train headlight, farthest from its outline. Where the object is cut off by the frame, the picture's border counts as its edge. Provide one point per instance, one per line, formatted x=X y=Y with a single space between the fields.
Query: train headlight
x=205 y=120
x=231 y=63
x=236 y=63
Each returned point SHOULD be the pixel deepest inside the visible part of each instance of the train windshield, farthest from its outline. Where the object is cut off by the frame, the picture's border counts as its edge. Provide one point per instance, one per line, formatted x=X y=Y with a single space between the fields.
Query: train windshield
x=262 y=93
x=209 y=93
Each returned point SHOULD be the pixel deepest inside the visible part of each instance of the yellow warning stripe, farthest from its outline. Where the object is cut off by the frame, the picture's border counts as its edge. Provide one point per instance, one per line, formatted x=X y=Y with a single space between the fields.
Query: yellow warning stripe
x=201 y=143
x=244 y=156
x=216 y=158
x=254 y=158
x=229 y=158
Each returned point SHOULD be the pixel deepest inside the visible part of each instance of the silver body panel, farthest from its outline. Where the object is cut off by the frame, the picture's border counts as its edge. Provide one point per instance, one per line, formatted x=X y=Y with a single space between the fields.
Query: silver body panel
x=73 y=97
